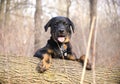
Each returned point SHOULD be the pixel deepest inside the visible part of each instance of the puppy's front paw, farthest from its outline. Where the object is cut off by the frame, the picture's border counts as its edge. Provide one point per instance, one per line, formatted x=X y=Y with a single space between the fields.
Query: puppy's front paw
x=88 y=66
x=43 y=66
x=82 y=60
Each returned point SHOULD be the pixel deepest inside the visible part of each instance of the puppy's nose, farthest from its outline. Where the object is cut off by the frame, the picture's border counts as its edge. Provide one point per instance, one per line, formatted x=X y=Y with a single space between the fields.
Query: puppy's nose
x=61 y=30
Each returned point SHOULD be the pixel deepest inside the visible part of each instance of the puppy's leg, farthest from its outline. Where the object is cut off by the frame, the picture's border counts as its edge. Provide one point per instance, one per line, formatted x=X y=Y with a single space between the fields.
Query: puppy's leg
x=82 y=60
x=44 y=63
x=72 y=57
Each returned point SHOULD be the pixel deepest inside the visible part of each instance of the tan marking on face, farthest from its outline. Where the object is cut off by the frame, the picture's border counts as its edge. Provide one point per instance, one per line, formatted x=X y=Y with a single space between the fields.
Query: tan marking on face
x=67 y=39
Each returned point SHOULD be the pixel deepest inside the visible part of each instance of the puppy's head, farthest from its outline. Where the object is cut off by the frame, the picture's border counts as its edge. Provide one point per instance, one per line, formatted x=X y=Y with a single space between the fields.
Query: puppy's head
x=61 y=28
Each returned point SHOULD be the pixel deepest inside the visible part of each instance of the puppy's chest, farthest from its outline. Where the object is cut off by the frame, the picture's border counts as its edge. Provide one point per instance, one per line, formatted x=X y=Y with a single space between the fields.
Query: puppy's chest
x=60 y=51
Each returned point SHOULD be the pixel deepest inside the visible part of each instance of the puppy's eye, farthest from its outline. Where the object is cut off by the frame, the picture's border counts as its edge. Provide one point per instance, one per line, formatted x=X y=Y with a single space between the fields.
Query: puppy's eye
x=56 y=23
x=65 y=23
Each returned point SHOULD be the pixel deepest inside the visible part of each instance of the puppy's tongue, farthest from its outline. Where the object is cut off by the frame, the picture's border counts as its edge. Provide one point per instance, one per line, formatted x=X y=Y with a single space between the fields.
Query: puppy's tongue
x=61 y=39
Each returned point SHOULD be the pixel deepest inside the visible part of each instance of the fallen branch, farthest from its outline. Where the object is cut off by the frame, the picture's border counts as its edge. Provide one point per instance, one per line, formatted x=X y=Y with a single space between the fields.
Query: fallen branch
x=22 y=70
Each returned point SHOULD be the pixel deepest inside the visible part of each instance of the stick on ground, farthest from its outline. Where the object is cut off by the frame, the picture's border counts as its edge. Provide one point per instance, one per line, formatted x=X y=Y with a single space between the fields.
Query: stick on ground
x=87 y=50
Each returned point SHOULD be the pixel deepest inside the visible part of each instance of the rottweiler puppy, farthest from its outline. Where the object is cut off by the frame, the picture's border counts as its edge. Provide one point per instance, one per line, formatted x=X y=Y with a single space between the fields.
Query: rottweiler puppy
x=58 y=46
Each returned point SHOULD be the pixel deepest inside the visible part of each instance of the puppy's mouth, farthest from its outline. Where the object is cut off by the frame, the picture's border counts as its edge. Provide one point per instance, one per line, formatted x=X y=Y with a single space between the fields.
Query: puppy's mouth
x=61 y=39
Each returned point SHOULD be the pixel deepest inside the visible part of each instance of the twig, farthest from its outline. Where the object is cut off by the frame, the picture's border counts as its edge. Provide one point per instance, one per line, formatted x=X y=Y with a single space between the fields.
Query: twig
x=88 y=49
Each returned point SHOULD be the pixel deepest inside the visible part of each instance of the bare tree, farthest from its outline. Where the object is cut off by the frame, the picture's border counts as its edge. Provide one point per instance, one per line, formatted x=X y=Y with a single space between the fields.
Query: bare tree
x=38 y=23
x=7 y=15
x=93 y=14
x=68 y=6
x=2 y=8
x=2 y=17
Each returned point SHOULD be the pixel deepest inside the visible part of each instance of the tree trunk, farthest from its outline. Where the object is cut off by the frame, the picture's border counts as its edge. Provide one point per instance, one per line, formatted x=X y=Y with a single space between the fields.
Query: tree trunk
x=2 y=9
x=2 y=20
x=22 y=70
x=38 y=24
x=68 y=7
x=7 y=11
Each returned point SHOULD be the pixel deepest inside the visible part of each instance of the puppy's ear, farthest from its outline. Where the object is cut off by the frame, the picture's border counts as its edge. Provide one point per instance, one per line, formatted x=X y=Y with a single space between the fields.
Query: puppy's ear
x=71 y=24
x=48 y=25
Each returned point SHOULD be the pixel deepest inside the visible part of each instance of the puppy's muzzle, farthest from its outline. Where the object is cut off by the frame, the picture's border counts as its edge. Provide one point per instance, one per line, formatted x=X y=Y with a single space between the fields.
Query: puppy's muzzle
x=61 y=31
x=61 y=35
